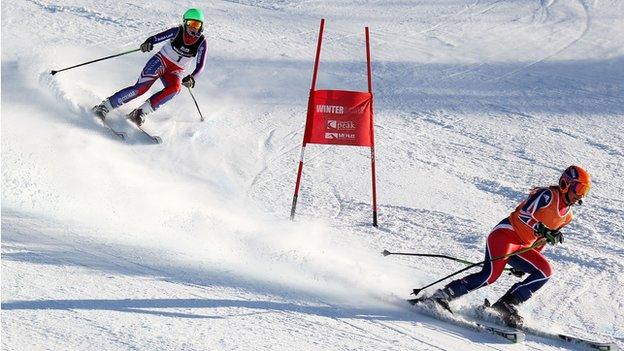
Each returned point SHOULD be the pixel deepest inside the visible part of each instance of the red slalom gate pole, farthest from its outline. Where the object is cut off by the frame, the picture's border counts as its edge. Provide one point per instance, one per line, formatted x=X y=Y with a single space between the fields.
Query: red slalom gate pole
x=318 y=55
x=372 y=132
x=310 y=107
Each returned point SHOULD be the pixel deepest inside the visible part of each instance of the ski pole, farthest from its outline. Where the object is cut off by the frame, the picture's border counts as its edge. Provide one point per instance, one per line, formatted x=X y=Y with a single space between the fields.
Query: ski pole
x=535 y=244
x=201 y=117
x=387 y=253
x=53 y=72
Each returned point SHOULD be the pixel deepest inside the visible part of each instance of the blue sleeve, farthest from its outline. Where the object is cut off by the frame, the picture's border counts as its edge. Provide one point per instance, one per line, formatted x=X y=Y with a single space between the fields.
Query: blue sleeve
x=537 y=200
x=162 y=36
x=201 y=59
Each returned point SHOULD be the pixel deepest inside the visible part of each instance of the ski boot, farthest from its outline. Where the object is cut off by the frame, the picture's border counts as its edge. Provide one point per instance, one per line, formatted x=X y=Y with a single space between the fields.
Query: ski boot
x=441 y=297
x=138 y=115
x=102 y=109
x=506 y=307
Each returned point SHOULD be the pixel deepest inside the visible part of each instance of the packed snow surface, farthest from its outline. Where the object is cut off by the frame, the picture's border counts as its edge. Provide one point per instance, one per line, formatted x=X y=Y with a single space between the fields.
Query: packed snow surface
x=187 y=245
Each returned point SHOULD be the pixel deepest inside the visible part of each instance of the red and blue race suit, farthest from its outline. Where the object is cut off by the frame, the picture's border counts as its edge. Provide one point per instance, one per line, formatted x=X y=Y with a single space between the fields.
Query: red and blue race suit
x=168 y=64
x=544 y=205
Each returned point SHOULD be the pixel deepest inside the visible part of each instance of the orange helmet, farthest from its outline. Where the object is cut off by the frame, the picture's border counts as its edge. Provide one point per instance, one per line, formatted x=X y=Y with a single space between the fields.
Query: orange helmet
x=576 y=179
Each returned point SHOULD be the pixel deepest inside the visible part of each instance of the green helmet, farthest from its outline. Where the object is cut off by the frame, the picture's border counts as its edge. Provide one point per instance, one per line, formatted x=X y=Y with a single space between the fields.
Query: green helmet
x=194 y=14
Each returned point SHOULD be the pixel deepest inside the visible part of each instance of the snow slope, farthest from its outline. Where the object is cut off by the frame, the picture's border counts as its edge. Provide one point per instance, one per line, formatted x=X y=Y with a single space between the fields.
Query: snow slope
x=187 y=245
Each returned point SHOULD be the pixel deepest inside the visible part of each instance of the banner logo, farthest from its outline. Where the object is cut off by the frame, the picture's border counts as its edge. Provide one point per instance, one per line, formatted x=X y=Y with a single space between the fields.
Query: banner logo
x=335 y=109
x=340 y=136
x=340 y=125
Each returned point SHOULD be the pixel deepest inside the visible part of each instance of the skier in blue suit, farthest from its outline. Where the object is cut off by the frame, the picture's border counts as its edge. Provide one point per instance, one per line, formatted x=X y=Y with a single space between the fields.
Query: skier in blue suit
x=186 y=44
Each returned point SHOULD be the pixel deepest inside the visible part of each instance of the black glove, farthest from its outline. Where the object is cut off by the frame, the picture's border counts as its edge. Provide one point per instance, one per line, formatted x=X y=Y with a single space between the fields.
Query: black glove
x=147 y=46
x=188 y=81
x=516 y=272
x=553 y=237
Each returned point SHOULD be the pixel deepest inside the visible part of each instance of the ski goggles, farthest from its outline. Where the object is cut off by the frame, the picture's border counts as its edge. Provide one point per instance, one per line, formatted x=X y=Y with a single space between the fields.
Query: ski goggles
x=580 y=189
x=193 y=27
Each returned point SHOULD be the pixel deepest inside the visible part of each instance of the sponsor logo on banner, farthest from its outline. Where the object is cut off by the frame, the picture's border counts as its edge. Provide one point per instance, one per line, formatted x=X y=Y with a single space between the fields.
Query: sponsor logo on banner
x=340 y=110
x=335 y=109
x=340 y=136
x=340 y=125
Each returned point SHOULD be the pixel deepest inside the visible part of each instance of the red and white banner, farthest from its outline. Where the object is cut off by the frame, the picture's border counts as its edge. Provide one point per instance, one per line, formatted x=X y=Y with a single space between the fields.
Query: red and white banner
x=339 y=117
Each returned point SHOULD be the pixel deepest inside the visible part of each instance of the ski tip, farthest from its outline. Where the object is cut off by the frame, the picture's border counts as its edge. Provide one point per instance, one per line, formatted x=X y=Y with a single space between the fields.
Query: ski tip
x=608 y=347
x=385 y=252
x=516 y=337
x=53 y=72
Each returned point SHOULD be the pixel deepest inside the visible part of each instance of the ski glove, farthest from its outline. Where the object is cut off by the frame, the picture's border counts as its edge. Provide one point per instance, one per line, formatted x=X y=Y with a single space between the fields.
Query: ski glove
x=188 y=81
x=553 y=237
x=147 y=46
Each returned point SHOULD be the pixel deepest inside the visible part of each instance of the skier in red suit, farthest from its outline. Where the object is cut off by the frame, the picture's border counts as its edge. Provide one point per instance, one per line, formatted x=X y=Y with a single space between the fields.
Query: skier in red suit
x=541 y=215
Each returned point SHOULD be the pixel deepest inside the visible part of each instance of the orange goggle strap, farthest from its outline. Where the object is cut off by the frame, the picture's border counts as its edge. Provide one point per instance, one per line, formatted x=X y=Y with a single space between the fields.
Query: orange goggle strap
x=564 y=183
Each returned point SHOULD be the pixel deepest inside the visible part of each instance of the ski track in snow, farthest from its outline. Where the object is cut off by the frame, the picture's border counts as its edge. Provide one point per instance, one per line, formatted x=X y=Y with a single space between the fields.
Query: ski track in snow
x=186 y=245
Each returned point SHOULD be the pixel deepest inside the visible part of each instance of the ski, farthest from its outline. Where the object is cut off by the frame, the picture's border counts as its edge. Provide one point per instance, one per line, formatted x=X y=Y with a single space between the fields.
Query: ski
x=155 y=138
x=513 y=335
x=119 y=134
x=509 y=334
x=594 y=345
